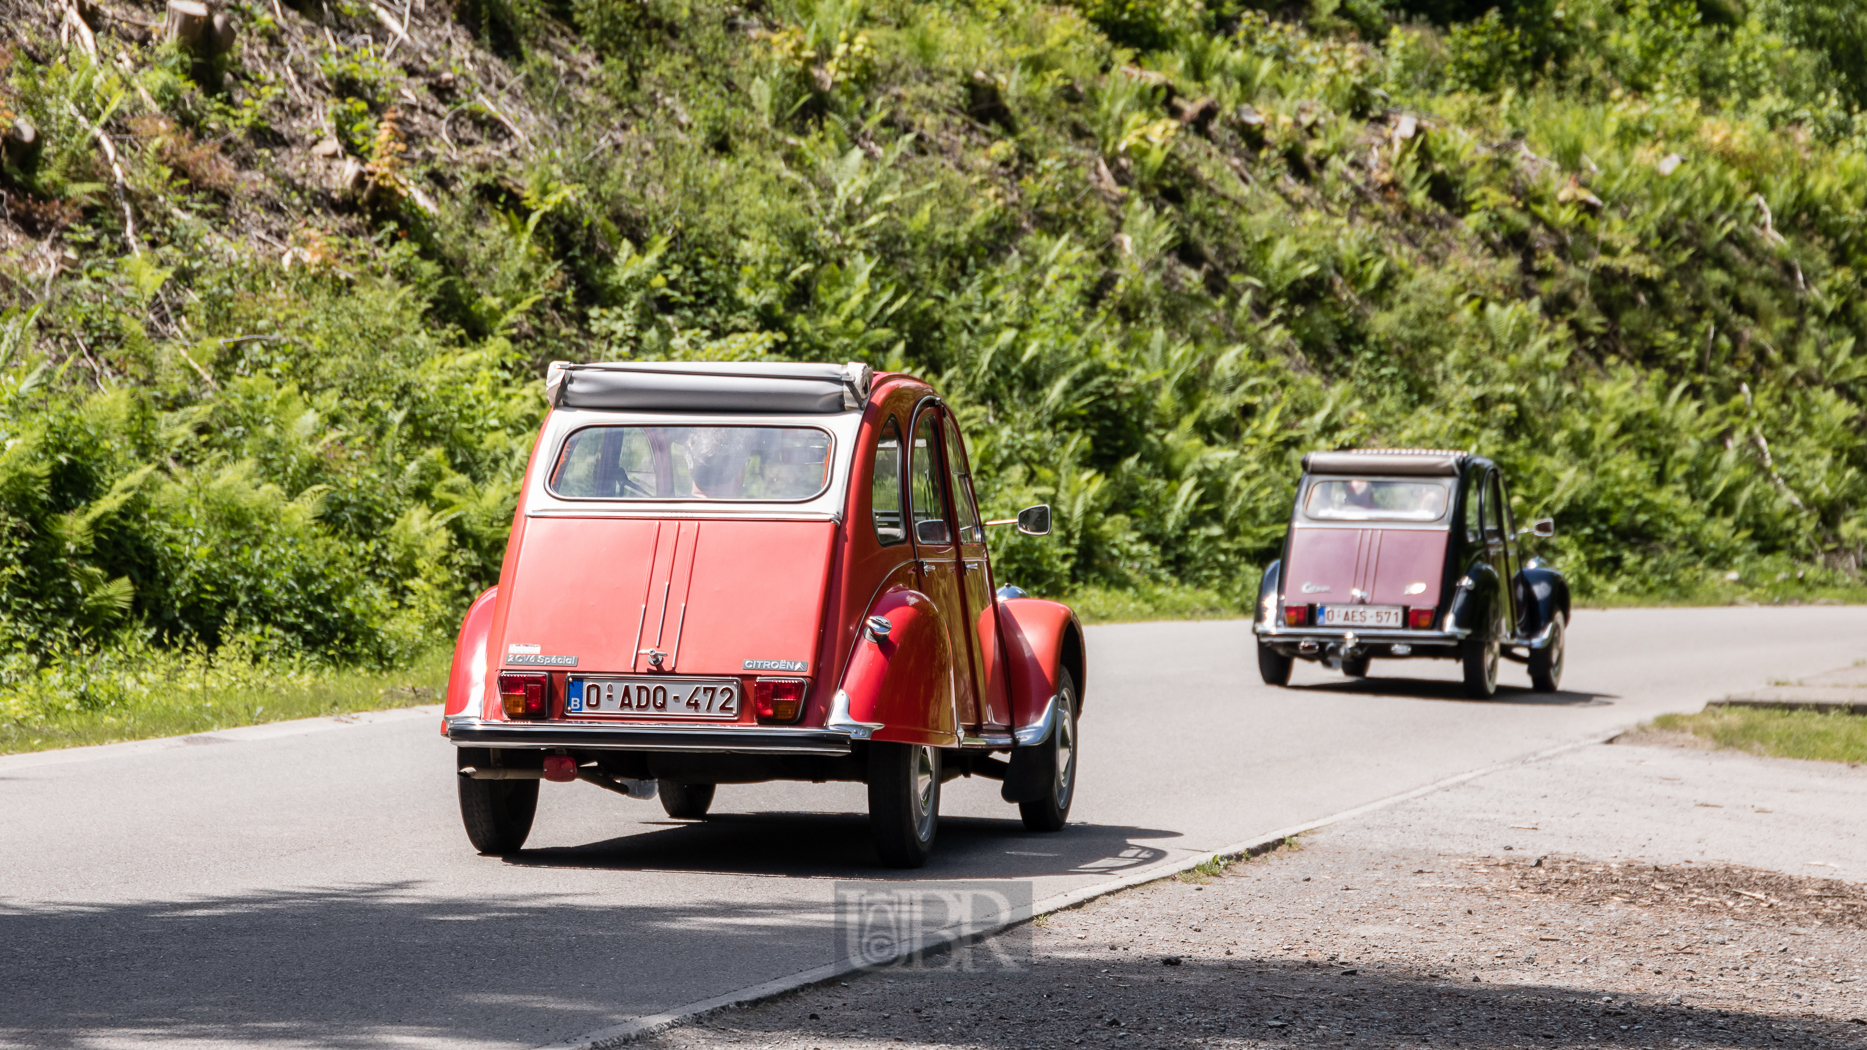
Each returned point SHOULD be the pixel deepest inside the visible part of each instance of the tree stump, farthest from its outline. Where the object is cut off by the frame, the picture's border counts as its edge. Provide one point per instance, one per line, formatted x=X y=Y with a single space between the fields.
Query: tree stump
x=199 y=29
x=189 y=24
x=18 y=143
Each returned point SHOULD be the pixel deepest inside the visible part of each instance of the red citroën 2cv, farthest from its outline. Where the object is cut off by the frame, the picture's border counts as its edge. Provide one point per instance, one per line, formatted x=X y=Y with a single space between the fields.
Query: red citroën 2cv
x=744 y=572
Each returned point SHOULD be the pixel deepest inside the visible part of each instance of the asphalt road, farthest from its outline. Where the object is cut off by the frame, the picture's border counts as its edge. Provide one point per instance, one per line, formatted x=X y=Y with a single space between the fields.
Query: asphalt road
x=312 y=887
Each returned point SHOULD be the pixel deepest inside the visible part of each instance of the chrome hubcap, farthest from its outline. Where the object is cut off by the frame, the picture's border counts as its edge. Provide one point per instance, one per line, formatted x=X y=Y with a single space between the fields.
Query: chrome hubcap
x=1066 y=756
x=924 y=785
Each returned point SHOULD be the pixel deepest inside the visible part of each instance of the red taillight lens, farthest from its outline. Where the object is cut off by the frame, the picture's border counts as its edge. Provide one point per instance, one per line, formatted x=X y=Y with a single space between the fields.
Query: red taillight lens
x=525 y=695
x=778 y=699
x=560 y=769
x=1296 y=615
x=1421 y=619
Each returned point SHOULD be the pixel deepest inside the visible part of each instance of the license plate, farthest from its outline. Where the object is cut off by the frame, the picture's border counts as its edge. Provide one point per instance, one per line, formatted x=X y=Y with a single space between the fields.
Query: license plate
x=641 y=696
x=1359 y=616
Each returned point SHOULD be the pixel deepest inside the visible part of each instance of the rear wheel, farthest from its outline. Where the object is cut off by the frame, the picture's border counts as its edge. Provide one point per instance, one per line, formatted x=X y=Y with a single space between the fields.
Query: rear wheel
x=1273 y=666
x=1480 y=658
x=904 y=802
x=498 y=813
x=1356 y=666
x=1546 y=663
x=685 y=801
x=1055 y=762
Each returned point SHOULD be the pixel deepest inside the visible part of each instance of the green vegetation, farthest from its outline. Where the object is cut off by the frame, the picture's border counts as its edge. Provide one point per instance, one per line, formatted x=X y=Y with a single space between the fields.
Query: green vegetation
x=273 y=319
x=133 y=695
x=1827 y=736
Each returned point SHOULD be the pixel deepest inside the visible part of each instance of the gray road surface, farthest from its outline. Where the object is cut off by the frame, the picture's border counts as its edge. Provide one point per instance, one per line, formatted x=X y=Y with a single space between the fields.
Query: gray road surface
x=313 y=888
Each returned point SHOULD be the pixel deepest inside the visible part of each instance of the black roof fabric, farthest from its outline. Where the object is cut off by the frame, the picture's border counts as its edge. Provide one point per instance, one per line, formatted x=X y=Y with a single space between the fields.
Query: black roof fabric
x=709 y=386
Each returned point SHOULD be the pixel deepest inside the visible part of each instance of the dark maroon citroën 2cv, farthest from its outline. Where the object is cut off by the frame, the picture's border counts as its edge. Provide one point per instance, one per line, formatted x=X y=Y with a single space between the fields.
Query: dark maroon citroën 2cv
x=1409 y=554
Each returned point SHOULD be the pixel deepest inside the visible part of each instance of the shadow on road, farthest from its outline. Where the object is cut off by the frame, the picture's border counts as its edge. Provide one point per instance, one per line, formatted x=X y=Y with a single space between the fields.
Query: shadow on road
x=374 y=965
x=837 y=846
x=1435 y=689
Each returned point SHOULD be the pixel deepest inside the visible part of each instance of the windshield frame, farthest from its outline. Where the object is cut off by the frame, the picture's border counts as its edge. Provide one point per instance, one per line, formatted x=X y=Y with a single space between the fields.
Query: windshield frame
x=1311 y=481
x=563 y=444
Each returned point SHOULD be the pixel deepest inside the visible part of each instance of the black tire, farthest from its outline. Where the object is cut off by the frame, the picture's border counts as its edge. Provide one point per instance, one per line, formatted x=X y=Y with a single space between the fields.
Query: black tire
x=1546 y=663
x=1356 y=666
x=684 y=801
x=1055 y=765
x=1273 y=666
x=1479 y=656
x=904 y=802
x=498 y=813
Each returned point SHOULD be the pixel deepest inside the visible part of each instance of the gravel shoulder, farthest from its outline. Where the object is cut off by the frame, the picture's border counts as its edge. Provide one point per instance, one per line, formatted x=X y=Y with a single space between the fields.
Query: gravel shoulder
x=1665 y=926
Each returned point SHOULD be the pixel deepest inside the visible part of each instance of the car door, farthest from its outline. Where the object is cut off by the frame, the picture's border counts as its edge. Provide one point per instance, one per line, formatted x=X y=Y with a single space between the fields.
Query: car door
x=1497 y=546
x=937 y=557
x=976 y=586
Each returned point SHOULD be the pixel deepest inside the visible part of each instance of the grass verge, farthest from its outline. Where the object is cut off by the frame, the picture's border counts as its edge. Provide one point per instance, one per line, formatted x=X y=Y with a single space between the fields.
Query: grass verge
x=1153 y=602
x=217 y=700
x=1820 y=735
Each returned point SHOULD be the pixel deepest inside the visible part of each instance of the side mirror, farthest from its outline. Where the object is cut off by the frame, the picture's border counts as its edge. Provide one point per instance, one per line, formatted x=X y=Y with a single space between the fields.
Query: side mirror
x=1035 y=521
x=1544 y=527
x=932 y=531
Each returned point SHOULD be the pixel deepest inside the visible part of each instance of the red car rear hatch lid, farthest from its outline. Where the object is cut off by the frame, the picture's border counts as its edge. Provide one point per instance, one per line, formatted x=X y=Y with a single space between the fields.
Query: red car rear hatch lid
x=710 y=597
x=1332 y=564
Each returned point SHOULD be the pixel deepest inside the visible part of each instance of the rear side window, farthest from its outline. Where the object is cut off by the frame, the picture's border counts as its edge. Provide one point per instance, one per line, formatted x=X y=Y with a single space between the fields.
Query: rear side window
x=1474 y=532
x=926 y=493
x=741 y=463
x=970 y=530
x=885 y=486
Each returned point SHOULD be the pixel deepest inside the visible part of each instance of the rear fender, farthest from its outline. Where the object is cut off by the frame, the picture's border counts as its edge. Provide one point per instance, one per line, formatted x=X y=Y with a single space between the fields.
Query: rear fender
x=1268 y=589
x=1041 y=638
x=1473 y=599
x=466 y=679
x=1548 y=591
x=901 y=685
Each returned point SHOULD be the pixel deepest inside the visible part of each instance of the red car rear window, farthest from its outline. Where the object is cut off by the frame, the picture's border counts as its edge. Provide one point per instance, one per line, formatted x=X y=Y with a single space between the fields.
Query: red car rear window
x=758 y=463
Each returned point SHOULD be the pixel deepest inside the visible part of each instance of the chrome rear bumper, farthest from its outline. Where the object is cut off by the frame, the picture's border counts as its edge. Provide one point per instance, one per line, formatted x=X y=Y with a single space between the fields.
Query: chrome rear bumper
x=1337 y=635
x=468 y=731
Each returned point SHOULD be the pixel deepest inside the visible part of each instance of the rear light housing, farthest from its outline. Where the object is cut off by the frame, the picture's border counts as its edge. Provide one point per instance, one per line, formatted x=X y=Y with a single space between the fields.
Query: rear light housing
x=778 y=701
x=525 y=695
x=1421 y=619
x=1296 y=615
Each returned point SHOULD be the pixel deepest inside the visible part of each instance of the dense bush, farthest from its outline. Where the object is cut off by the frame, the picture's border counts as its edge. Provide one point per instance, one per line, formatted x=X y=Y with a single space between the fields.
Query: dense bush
x=1154 y=251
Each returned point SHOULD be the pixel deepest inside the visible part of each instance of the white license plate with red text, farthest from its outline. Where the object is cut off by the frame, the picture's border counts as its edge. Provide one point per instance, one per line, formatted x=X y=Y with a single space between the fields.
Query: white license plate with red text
x=648 y=696
x=1358 y=616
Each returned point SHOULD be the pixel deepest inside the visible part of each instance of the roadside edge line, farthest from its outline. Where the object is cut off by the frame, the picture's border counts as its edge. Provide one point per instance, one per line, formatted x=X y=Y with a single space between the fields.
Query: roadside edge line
x=639 y=1027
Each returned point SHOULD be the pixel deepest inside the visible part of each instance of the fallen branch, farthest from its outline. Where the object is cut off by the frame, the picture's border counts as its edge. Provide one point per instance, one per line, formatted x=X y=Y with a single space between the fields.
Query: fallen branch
x=387 y=19
x=197 y=367
x=500 y=117
x=116 y=171
x=127 y=20
x=74 y=24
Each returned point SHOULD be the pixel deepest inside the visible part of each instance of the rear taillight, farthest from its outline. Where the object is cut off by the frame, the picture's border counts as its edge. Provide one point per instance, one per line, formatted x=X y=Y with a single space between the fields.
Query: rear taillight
x=1421 y=619
x=525 y=695
x=778 y=700
x=1296 y=615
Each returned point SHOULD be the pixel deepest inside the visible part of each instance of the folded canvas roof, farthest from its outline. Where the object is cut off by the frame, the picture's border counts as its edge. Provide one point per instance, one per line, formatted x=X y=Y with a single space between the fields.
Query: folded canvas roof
x=1430 y=462
x=709 y=386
